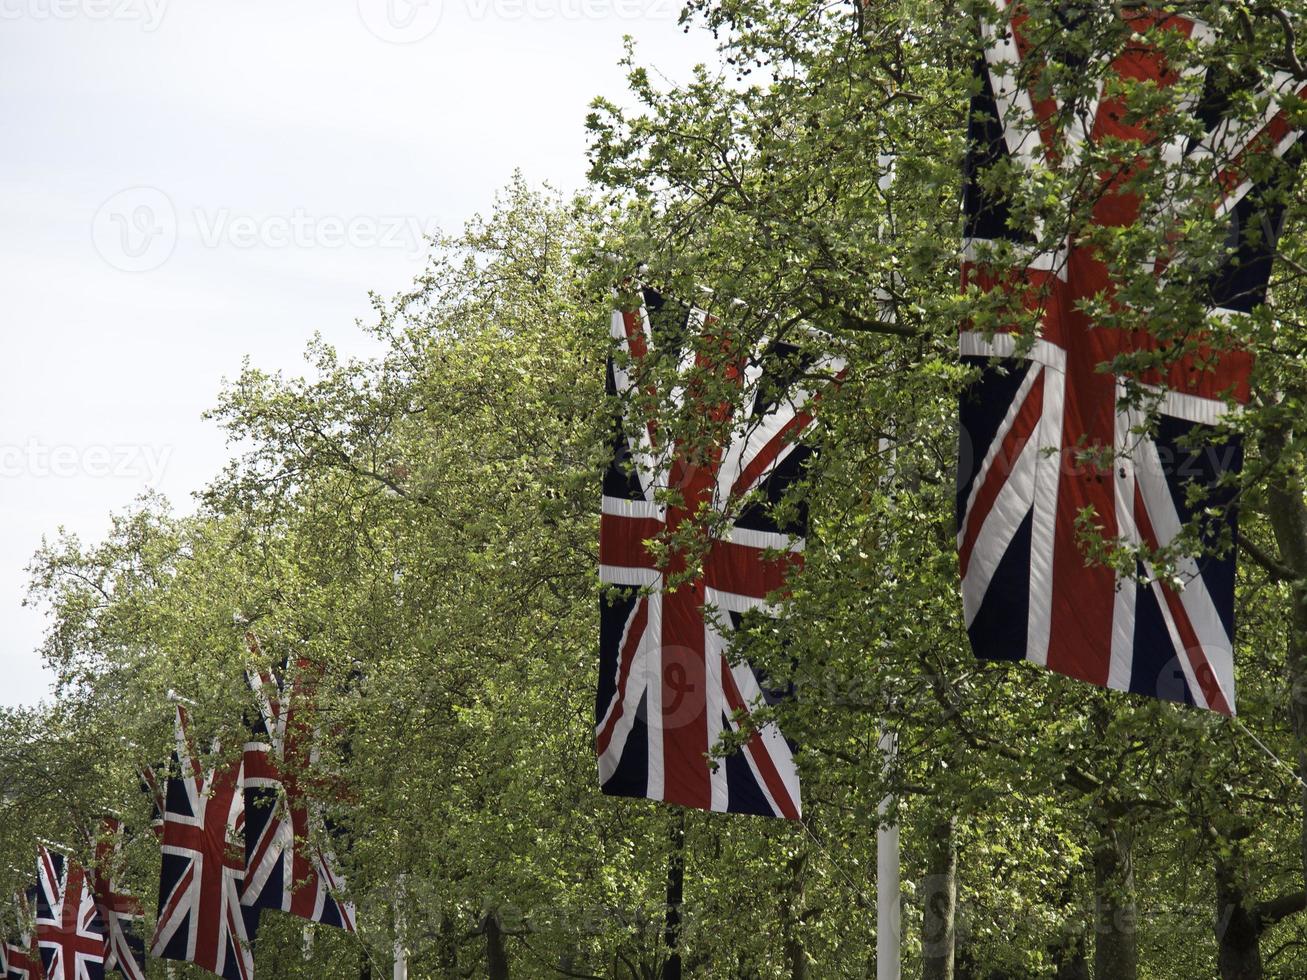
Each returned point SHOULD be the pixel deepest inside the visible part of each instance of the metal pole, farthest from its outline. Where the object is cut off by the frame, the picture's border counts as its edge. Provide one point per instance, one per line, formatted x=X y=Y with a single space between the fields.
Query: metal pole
x=401 y=954
x=889 y=927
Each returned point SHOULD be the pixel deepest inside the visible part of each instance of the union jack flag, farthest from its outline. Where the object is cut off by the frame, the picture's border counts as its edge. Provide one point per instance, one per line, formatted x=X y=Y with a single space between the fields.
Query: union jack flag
x=200 y=916
x=69 y=931
x=120 y=912
x=21 y=959
x=668 y=691
x=287 y=865
x=1052 y=436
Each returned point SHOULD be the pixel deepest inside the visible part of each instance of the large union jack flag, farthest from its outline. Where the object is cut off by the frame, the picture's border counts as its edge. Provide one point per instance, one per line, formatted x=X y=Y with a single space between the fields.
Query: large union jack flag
x=201 y=920
x=21 y=959
x=668 y=691
x=120 y=911
x=288 y=866
x=1053 y=436
x=69 y=930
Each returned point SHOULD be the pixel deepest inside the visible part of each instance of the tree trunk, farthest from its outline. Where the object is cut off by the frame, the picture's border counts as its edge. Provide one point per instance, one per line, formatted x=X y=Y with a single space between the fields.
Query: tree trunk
x=1069 y=959
x=939 y=912
x=1069 y=953
x=447 y=947
x=1116 y=950
x=1069 y=948
x=1287 y=511
x=496 y=953
x=1237 y=929
x=796 y=957
x=675 y=895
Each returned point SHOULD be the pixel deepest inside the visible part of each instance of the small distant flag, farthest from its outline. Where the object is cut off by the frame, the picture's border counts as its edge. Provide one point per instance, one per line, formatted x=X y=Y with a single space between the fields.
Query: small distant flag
x=155 y=786
x=288 y=864
x=69 y=930
x=22 y=960
x=120 y=912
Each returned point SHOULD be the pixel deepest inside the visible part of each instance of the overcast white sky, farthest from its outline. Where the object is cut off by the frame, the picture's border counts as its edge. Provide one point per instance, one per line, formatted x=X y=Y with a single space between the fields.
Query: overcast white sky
x=184 y=183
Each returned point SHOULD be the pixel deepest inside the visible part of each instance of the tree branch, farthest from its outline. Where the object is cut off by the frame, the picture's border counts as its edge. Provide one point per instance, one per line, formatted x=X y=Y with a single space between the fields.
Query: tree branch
x=1273 y=567
x=851 y=321
x=1290 y=39
x=1278 y=909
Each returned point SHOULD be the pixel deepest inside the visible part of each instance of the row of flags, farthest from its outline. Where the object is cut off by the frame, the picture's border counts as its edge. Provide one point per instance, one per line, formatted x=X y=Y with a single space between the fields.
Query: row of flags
x=1051 y=440
x=236 y=839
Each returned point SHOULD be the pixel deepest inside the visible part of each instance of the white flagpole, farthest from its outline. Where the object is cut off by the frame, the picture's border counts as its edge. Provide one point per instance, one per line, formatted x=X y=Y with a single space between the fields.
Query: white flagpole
x=889 y=926
x=889 y=929
x=401 y=954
